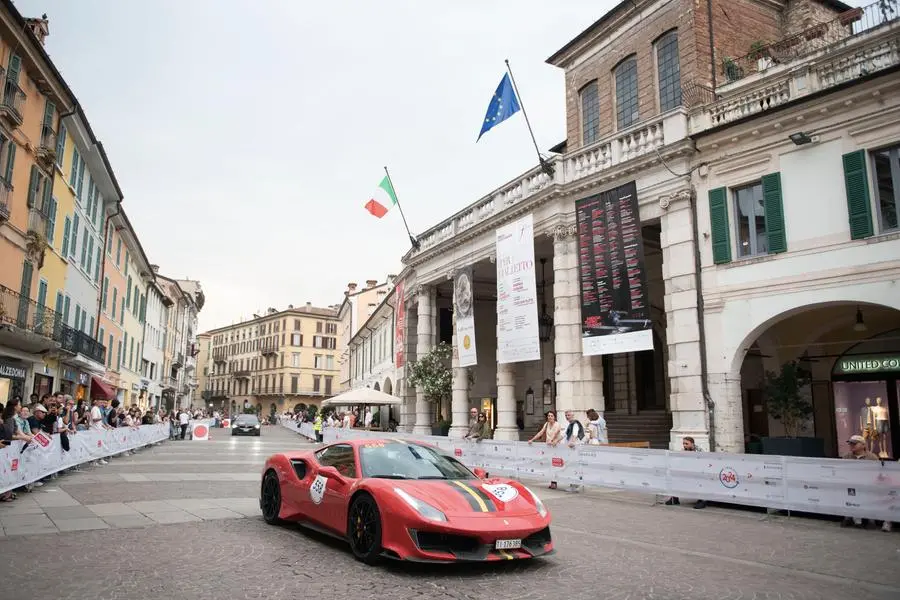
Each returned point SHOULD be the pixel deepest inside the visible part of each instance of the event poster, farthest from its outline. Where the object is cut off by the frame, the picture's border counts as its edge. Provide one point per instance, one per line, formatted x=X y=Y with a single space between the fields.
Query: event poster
x=464 y=305
x=517 y=314
x=615 y=308
x=399 y=326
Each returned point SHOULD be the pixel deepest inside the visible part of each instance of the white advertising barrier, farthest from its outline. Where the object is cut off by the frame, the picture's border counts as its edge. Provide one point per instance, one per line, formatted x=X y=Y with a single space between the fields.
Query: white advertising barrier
x=21 y=464
x=851 y=488
x=304 y=429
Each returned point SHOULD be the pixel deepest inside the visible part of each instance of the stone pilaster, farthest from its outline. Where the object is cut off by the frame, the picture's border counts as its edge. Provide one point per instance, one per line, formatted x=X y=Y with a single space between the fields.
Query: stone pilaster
x=728 y=413
x=689 y=414
x=459 y=405
x=579 y=378
x=506 y=402
x=424 y=344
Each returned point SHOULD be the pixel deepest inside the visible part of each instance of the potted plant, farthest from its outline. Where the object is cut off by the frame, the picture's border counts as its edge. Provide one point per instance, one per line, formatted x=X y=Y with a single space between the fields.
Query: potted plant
x=434 y=376
x=786 y=403
x=732 y=71
x=759 y=52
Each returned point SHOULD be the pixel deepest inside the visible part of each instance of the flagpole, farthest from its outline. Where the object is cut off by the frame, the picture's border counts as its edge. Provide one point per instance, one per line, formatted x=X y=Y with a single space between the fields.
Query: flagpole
x=547 y=167
x=412 y=239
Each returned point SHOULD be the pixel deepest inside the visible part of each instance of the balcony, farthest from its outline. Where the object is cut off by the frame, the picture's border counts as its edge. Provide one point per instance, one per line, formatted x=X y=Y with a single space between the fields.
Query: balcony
x=5 y=196
x=178 y=360
x=169 y=383
x=855 y=45
x=37 y=222
x=12 y=101
x=27 y=325
x=219 y=355
x=190 y=363
x=46 y=152
x=286 y=391
x=628 y=150
x=78 y=342
x=241 y=374
x=268 y=349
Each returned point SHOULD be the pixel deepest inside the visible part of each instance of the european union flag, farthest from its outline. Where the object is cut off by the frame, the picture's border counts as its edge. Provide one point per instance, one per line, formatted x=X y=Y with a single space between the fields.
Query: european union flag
x=503 y=105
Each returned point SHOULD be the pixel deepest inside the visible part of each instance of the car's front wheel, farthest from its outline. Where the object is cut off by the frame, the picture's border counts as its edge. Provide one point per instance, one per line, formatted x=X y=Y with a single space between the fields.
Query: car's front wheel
x=364 y=529
x=270 y=499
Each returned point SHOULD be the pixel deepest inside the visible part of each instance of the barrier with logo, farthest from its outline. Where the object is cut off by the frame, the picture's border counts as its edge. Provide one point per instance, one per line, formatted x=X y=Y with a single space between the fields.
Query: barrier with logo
x=22 y=463
x=852 y=488
x=304 y=429
x=200 y=431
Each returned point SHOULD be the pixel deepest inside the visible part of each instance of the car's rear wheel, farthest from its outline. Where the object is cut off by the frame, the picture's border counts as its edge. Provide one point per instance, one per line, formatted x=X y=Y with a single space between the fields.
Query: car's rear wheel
x=271 y=498
x=364 y=528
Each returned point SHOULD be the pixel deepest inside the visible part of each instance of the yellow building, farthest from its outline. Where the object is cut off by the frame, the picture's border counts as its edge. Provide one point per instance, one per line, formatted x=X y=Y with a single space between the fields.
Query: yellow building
x=274 y=361
x=204 y=365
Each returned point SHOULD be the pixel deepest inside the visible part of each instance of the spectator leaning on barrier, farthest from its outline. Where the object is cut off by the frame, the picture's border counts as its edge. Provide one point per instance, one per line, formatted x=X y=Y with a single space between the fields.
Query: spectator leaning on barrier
x=184 y=418
x=688 y=445
x=574 y=429
x=596 y=429
x=551 y=433
x=858 y=451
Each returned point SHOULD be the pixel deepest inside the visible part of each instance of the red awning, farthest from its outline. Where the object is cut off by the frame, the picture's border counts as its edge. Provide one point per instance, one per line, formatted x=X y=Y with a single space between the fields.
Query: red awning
x=101 y=390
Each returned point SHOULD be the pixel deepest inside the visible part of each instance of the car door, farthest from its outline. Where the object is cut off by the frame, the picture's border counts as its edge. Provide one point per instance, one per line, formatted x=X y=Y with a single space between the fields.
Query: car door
x=328 y=495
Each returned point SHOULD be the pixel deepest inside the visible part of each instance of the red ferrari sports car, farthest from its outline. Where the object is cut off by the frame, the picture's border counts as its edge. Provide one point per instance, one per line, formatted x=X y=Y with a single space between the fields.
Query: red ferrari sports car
x=405 y=500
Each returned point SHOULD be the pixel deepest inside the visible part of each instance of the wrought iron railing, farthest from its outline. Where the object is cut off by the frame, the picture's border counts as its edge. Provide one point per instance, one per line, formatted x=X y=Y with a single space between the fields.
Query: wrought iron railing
x=78 y=342
x=13 y=97
x=26 y=314
x=169 y=382
x=5 y=194
x=818 y=37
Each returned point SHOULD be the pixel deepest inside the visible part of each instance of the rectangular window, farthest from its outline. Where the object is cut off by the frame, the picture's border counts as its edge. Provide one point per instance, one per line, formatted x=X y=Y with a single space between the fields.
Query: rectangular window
x=296 y=339
x=317 y=383
x=105 y=294
x=60 y=145
x=109 y=241
x=73 y=172
x=101 y=335
x=318 y=361
x=79 y=186
x=128 y=290
x=131 y=356
x=60 y=301
x=295 y=359
x=328 y=383
x=887 y=187
x=90 y=254
x=626 y=93
x=669 y=71
x=750 y=221
x=66 y=310
x=590 y=113
x=296 y=324
x=331 y=328
x=50 y=211
x=119 y=252
x=91 y=330
x=84 y=246
x=119 y=354
x=318 y=326
x=77 y=315
x=329 y=363
x=294 y=384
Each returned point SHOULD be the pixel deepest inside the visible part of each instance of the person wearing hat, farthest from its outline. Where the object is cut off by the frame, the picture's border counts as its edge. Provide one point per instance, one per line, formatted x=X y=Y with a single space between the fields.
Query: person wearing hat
x=858 y=449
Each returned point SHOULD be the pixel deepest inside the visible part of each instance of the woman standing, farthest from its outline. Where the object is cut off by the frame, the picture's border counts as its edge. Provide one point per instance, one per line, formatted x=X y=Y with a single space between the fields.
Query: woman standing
x=552 y=433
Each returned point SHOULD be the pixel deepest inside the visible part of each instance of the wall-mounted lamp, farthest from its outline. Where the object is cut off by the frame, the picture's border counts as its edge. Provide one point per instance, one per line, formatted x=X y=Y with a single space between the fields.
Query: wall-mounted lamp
x=801 y=138
x=860 y=325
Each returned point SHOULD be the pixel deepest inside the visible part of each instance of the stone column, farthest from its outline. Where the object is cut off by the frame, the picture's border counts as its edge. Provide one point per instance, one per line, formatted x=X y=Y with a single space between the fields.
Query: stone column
x=459 y=406
x=506 y=403
x=424 y=343
x=728 y=413
x=579 y=378
x=689 y=414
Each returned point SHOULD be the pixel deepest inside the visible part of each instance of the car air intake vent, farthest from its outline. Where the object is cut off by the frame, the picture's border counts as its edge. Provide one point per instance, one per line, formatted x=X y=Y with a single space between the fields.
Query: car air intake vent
x=299 y=468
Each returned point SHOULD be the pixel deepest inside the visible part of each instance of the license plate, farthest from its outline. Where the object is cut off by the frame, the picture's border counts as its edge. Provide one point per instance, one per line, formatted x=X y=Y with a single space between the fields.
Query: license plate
x=507 y=544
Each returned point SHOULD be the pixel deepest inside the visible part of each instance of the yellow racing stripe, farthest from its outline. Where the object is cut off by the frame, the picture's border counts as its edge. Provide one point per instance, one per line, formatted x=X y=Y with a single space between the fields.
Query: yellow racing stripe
x=478 y=499
x=506 y=555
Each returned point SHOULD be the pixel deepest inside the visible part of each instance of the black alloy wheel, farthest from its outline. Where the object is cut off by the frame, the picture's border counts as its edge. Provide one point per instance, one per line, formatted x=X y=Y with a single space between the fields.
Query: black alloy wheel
x=364 y=529
x=271 y=498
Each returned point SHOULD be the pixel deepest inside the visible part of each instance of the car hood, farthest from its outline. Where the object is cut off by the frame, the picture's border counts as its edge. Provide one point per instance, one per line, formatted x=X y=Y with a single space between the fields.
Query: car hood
x=471 y=497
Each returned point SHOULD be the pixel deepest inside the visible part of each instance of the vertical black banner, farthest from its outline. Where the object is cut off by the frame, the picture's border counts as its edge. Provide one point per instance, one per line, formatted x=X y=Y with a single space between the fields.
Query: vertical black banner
x=615 y=309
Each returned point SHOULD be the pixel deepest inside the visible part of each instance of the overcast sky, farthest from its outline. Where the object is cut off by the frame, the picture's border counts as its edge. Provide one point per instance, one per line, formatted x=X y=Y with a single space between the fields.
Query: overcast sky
x=248 y=135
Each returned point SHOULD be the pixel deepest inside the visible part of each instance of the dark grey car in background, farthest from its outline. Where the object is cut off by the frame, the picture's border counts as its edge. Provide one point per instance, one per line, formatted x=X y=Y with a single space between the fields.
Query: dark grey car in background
x=245 y=425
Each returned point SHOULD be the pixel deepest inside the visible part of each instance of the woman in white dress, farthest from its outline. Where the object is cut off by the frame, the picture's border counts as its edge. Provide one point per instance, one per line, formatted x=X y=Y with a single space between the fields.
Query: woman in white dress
x=552 y=433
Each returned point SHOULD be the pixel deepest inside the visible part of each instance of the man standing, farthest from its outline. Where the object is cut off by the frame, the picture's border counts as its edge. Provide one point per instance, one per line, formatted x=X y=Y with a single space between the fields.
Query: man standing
x=688 y=445
x=184 y=419
x=858 y=451
x=574 y=431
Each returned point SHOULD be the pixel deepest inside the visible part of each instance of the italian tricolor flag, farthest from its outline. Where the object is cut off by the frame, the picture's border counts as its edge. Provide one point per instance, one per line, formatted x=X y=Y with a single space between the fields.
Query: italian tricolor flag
x=383 y=199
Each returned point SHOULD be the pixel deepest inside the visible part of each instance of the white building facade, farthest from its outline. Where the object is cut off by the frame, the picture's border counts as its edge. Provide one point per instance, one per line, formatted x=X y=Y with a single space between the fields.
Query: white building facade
x=372 y=350
x=155 y=328
x=703 y=310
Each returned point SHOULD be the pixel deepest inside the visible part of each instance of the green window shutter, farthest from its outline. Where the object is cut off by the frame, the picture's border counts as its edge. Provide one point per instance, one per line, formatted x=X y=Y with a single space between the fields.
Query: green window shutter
x=49 y=112
x=60 y=145
x=42 y=294
x=774 y=207
x=84 y=245
x=51 y=220
x=97 y=264
x=718 y=223
x=66 y=311
x=128 y=291
x=73 y=173
x=67 y=231
x=59 y=302
x=859 y=208
x=15 y=65
x=74 y=247
x=10 y=162
x=34 y=181
x=25 y=295
x=105 y=291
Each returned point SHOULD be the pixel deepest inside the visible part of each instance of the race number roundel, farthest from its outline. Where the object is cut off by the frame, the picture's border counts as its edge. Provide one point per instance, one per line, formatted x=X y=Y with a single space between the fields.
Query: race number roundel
x=502 y=492
x=200 y=432
x=317 y=489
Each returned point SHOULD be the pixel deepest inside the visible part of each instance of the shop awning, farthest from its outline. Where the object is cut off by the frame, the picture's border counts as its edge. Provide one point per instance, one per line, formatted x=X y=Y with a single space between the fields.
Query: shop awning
x=101 y=390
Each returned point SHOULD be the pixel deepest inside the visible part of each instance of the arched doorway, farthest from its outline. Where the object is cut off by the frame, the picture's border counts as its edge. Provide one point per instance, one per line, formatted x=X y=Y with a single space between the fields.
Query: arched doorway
x=809 y=344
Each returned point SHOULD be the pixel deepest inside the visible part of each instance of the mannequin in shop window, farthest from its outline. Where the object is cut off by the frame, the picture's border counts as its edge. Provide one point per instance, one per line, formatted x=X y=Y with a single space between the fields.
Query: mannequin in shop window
x=867 y=424
x=882 y=427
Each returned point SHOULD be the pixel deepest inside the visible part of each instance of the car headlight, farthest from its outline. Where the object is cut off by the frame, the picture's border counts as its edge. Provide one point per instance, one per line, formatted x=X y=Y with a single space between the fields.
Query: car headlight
x=421 y=507
x=257 y=426
x=542 y=510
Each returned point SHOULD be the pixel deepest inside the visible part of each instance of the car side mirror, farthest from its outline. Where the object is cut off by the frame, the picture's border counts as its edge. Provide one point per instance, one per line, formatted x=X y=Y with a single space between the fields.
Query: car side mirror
x=331 y=473
x=480 y=473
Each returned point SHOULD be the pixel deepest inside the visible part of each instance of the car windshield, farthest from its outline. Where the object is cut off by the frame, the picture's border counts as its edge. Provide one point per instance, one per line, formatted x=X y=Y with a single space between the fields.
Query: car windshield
x=398 y=460
x=246 y=420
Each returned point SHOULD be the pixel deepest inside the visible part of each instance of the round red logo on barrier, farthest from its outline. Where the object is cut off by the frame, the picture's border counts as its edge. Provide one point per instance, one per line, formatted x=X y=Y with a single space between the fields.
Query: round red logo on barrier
x=200 y=431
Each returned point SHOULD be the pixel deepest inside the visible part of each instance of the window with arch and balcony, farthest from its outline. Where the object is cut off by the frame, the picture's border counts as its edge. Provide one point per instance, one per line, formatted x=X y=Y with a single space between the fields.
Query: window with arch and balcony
x=626 y=78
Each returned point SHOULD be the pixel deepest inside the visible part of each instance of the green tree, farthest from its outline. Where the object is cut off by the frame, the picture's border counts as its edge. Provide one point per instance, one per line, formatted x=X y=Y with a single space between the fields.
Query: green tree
x=433 y=374
x=784 y=401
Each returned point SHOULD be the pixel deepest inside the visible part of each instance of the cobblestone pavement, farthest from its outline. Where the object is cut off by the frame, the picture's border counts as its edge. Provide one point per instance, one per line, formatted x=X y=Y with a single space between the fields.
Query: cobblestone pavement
x=200 y=536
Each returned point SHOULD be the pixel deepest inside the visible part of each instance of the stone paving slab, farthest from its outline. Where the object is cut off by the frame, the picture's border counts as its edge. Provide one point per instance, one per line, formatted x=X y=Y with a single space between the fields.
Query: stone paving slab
x=82 y=524
x=168 y=517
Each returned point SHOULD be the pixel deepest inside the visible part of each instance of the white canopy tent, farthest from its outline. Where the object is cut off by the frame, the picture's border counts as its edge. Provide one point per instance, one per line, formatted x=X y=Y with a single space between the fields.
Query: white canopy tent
x=366 y=396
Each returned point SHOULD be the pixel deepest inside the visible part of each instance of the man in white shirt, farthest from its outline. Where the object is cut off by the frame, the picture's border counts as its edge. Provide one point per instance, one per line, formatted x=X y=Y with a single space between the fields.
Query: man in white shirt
x=184 y=419
x=368 y=418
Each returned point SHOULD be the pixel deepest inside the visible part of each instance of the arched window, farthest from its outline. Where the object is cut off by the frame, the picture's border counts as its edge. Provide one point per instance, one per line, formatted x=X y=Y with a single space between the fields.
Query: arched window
x=668 y=71
x=590 y=113
x=627 y=93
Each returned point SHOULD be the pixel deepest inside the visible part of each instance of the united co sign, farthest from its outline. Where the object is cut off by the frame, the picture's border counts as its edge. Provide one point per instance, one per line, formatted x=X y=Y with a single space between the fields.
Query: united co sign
x=858 y=365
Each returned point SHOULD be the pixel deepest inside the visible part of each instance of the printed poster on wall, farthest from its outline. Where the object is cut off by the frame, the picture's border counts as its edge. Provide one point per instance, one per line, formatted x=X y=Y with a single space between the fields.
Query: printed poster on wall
x=615 y=308
x=464 y=304
x=399 y=326
x=517 y=314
